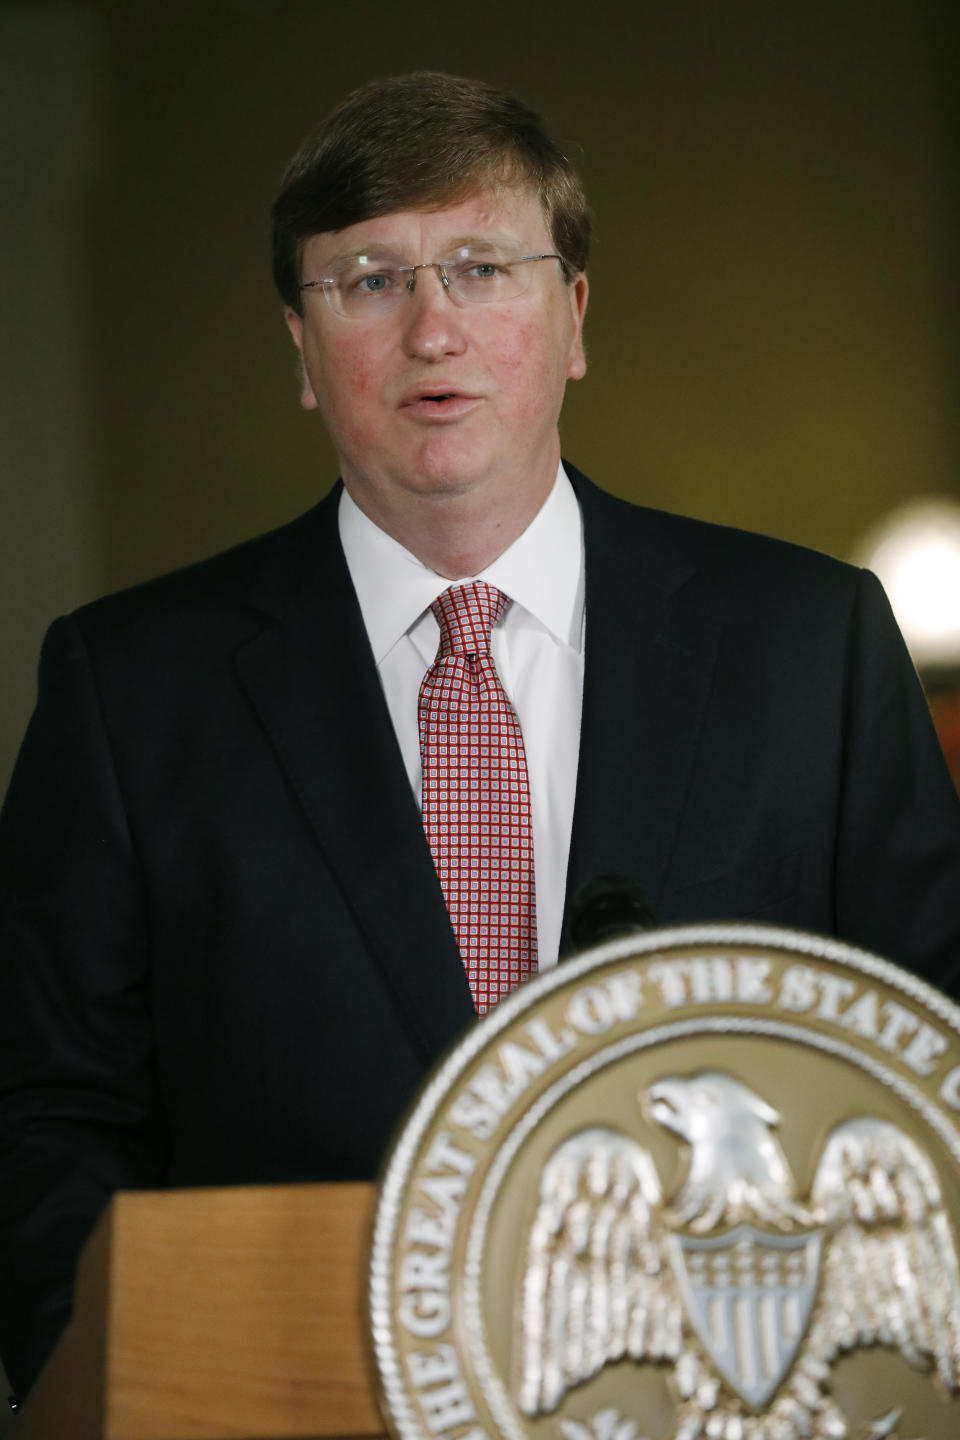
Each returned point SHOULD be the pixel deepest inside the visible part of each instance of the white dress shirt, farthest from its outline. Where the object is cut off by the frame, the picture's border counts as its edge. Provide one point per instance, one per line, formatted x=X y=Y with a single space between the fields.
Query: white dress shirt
x=537 y=649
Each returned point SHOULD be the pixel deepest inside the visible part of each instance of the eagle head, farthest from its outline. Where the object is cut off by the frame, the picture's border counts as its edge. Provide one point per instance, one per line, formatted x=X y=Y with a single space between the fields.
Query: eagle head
x=736 y=1168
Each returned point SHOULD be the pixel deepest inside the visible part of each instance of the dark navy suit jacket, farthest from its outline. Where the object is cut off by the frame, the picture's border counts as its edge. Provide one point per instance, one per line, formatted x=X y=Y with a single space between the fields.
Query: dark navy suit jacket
x=225 y=953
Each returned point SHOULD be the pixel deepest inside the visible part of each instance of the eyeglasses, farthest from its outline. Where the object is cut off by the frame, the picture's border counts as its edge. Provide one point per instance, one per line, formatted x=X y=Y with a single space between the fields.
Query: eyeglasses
x=366 y=286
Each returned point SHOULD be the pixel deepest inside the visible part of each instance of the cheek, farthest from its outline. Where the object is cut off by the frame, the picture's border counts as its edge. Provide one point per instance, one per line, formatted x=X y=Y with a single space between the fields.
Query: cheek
x=532 y=366
x=346 y=378
x=357 y=373
x=516 y=354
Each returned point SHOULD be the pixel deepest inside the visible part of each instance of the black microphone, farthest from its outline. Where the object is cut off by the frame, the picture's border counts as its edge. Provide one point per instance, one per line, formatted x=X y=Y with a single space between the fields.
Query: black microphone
x=606 y=907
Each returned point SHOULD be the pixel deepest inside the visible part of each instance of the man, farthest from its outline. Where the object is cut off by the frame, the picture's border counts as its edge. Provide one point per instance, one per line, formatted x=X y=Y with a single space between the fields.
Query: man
x=234 y=939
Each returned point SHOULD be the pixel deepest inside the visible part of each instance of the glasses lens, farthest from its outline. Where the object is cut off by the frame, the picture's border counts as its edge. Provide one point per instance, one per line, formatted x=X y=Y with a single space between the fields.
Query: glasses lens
x=366 y=285
x=480 y=276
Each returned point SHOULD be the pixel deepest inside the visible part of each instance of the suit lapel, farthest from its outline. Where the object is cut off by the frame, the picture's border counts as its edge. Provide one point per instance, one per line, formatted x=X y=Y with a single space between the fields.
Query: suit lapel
x=649 y=661
x=311 y=676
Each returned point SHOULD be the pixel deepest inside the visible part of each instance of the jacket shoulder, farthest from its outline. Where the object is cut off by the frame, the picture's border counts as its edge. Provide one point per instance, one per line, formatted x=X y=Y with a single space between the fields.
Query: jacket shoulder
x=730 y=560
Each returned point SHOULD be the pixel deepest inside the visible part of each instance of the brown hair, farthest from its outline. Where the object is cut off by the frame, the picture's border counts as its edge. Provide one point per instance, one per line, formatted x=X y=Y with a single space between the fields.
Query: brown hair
x=424 y=140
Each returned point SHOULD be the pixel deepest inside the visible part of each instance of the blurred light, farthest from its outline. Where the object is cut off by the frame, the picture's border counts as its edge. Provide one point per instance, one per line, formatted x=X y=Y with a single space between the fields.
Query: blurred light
x=915 y=551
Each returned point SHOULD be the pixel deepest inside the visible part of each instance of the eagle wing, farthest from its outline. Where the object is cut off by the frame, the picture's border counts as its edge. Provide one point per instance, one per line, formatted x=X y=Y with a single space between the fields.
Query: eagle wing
x=891 y=1274
x=597 y=1284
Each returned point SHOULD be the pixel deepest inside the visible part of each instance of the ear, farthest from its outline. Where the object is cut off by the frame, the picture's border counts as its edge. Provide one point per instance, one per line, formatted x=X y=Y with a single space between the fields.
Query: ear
x=295 y=325
x=578 y=291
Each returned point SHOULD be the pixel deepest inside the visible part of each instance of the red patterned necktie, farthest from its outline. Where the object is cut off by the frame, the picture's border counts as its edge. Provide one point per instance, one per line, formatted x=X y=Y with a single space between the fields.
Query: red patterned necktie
x=476 y=796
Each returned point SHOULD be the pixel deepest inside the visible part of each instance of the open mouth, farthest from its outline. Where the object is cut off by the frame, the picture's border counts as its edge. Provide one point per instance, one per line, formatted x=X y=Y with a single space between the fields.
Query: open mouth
x=442 y=404
x=434 y=397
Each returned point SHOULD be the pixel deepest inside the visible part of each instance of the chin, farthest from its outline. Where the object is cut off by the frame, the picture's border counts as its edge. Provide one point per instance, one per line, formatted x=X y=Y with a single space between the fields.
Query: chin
x=438 y=474
x=455 y=486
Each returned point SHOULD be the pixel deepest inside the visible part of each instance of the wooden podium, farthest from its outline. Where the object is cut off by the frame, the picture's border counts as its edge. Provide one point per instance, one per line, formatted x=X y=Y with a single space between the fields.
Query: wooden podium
x=232 y=1314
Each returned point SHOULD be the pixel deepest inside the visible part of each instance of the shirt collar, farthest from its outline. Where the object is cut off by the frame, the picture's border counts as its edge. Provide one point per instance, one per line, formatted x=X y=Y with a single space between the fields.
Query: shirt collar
x=542 y=571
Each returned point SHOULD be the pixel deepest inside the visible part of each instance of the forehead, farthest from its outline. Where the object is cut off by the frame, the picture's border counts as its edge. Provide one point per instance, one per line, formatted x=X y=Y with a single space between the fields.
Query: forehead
x=509 y=214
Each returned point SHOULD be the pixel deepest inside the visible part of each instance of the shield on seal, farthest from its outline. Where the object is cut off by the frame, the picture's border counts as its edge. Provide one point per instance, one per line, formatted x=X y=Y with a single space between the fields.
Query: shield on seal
x=748 y=1295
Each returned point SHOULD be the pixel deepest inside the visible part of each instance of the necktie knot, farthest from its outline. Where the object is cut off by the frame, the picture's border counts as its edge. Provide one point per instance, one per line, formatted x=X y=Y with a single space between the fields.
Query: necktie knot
x=466 y=615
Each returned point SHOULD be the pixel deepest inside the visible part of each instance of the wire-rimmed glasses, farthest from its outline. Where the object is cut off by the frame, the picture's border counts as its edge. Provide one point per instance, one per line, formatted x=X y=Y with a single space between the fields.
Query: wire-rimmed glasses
x=365 y=286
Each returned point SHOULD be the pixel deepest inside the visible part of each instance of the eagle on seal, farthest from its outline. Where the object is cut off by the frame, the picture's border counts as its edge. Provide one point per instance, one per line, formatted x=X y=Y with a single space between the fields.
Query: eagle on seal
x=749 y=1291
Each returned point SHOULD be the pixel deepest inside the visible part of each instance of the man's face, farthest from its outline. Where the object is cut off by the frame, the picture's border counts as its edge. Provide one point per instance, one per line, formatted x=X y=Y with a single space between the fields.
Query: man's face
x=499 y=368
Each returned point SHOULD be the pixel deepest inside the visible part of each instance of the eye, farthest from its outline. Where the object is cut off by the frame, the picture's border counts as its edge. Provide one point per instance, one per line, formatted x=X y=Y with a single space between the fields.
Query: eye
x=479 y=277
x=365 y=278
x=367 y=283
x=482 y=270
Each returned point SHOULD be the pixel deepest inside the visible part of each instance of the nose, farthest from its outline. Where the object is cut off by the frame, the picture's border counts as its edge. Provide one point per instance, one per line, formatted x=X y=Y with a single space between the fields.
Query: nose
x=433 y=324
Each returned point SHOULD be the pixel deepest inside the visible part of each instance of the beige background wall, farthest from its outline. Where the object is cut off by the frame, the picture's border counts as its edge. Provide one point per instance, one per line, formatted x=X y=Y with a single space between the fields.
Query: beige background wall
x=774 y=313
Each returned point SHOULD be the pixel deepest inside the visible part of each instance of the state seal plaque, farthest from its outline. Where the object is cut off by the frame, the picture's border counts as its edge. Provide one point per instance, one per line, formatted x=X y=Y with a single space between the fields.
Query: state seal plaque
x=700 y=1184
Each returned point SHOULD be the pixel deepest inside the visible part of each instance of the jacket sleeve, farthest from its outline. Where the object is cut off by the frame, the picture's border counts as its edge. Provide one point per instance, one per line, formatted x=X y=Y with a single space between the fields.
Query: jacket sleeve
x=79 y=1110
x=898 y=825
